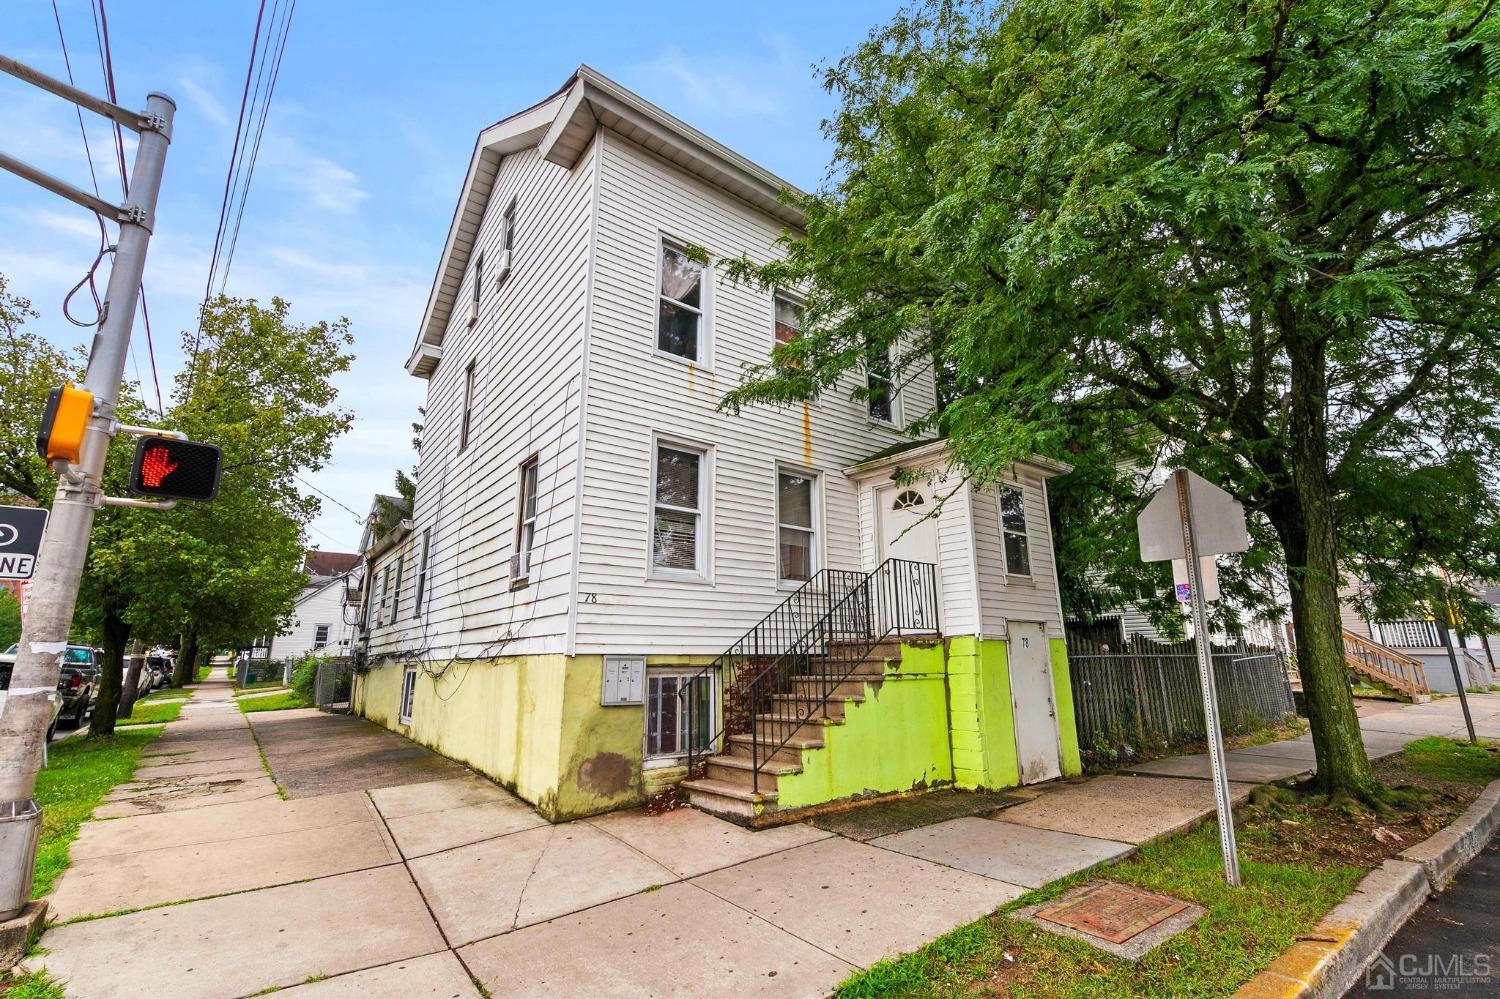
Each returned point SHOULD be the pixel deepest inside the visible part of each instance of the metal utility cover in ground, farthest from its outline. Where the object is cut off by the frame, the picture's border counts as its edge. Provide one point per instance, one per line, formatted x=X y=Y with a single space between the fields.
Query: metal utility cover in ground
x=1218 y=519
x=21 y=530
x=1121 y=919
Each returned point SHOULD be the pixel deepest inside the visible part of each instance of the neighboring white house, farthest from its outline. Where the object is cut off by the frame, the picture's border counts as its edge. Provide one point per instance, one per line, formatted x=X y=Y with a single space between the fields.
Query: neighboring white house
x=320 y=623
x=590 y=531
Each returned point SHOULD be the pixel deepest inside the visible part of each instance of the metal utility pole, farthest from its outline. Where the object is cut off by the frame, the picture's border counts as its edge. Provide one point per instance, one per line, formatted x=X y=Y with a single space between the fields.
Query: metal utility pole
x=54 y=588
x=1460 y=677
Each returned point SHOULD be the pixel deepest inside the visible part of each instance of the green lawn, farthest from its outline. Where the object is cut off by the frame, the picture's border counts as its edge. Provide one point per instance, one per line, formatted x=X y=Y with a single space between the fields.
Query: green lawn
x=1244 y=931
x=167 y=693
x=1449 y=759
x=146 y=713
x=79 y=773
x=274 y=702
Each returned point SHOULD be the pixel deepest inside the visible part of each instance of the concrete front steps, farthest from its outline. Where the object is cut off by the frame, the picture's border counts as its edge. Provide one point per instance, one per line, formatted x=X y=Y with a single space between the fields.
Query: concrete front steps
x=729 y=788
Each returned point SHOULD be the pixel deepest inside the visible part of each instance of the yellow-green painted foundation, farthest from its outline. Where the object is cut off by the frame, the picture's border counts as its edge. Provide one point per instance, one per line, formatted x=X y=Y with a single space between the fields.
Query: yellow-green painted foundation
x=941 y=717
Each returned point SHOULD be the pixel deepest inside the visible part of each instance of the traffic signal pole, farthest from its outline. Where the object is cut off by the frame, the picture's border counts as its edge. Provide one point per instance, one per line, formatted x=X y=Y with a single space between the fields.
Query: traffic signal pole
x=54 y=589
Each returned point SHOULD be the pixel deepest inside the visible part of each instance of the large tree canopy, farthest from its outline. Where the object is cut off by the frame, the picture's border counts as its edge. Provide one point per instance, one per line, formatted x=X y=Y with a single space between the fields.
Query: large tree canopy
x=1261 y=233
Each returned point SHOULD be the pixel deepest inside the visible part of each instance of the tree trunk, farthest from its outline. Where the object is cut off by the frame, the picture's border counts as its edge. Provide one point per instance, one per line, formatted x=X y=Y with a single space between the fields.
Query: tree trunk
x=132 y=678
x=185 y=668
x=114 y=633
x=1304 y=520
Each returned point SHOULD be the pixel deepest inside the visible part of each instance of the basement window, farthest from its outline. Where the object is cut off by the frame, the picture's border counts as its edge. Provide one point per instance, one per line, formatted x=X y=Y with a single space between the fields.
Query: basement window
x=408 y=694
x=671 y=720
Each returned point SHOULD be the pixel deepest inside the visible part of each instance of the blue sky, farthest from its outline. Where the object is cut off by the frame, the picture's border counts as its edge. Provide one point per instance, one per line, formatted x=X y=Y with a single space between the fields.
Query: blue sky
x=367 y=142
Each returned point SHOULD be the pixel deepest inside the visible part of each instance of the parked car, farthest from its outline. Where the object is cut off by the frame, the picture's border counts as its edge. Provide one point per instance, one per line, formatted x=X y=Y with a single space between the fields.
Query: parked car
x=161 y=668
x=77 y=681
x=7 y=665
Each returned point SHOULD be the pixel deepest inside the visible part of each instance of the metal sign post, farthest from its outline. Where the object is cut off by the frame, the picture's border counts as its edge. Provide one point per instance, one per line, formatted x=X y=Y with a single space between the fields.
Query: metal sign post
x=1208 y=522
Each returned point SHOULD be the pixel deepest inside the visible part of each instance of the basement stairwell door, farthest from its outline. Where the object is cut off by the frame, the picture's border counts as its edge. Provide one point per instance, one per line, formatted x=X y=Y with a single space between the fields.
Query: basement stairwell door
x=1037 y=750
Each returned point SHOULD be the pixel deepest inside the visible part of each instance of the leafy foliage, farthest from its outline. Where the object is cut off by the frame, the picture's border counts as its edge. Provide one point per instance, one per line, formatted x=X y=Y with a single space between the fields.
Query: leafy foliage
x=1260 y=240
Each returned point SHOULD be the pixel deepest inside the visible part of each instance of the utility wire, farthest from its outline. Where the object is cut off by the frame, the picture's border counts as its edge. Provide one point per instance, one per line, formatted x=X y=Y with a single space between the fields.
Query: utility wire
x=265 y=108
x=88 y=153
x=357 y=515
x=229 y=174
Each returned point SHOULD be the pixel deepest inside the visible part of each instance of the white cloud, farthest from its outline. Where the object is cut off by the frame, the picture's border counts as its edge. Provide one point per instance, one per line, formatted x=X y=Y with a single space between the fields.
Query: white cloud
x=327 y=186
x=732 y=89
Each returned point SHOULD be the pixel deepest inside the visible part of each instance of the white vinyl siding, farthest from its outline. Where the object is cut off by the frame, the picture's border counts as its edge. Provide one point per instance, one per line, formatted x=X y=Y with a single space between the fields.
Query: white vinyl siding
x=524 y=400
x=636 y=396
x=1005 y=596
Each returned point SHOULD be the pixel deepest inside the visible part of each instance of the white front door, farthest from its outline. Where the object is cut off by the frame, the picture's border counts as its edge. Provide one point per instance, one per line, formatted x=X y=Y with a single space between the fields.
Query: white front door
x=1032 y=700
x=906 y=529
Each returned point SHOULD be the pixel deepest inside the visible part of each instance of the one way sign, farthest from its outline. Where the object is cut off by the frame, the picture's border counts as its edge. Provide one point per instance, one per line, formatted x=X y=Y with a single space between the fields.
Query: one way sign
x=21 y=530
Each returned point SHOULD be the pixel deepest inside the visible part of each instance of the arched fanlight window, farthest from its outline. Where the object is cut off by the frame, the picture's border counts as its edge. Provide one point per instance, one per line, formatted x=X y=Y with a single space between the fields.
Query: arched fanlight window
x=909 y=499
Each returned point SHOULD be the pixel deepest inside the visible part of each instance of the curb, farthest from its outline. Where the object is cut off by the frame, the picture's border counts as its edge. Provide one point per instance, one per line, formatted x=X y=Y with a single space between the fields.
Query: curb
x=1329 y=960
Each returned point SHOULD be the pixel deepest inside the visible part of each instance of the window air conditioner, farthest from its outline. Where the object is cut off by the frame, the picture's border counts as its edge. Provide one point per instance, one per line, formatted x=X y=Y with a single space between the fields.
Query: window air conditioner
x=473 y=311
x=520 y=565
x=502 y=268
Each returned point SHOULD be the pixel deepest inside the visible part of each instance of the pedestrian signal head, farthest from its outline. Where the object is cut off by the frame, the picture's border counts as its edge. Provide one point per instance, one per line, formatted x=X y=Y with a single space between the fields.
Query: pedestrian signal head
x=175 y=469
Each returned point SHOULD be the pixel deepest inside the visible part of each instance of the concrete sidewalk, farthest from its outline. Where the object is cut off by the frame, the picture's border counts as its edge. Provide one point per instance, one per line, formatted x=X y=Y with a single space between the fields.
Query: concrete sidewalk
x=390 y=871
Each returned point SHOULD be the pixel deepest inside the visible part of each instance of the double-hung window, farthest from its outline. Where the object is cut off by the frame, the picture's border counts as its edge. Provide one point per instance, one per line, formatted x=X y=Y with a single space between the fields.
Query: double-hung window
x=679 y=314
x=408 y=694
x=796 y=526
x=385 y=595
x=396 y=595
x=1013 y=528
x=478 y=287
x=788 y=318
x=520 y=565
x=880 y=393
x=677 y=507
x=466 y=419
x=416 y=604
x=672 y=723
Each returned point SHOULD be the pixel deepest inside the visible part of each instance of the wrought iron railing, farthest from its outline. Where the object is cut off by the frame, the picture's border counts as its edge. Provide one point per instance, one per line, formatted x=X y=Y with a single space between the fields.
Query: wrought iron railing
x=778 y=676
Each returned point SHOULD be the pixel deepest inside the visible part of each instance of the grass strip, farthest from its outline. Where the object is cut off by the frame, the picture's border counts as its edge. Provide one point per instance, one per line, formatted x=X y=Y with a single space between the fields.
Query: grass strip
x=79 y=773
x=1449 y=759
x=168 y=693
x=273 y=702
x=151 y=714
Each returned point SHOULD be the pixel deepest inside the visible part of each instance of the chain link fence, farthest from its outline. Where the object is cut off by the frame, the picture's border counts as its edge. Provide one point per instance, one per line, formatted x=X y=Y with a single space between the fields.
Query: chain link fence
x=1140 y=696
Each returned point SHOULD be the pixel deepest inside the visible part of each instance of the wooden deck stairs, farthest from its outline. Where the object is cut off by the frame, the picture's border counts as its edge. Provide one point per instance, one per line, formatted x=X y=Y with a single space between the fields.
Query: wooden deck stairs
x=1383 y=666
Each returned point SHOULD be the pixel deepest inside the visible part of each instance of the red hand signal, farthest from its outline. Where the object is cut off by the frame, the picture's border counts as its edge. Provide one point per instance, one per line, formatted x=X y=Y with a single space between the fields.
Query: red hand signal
x=156 y=466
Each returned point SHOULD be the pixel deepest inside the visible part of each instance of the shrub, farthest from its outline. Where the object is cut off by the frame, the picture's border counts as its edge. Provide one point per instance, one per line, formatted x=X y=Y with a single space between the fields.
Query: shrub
x=305 y=675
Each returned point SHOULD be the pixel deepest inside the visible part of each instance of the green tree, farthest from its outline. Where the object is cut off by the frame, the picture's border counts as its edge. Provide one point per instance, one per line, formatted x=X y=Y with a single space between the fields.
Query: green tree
x=1264 y=232
x=10 y=619
x=30 y=367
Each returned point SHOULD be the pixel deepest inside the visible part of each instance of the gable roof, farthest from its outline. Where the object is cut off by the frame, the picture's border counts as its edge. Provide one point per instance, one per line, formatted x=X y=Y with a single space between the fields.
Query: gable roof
x=321 y=563
x=561 y=128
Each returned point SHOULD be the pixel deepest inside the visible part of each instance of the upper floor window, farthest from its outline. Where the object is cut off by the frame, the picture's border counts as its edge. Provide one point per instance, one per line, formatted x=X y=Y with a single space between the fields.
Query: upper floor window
x=677 y=510
x=478 y=276
x=466 y=418
x=396 y=594
x=508 y=229
x=320 y=636
x=385 y=595
x=679 y=321
x=788 y=318
x=881 y=396
x=416 y=604
x=796 y=526
x=520 y=566
x=1013 y=527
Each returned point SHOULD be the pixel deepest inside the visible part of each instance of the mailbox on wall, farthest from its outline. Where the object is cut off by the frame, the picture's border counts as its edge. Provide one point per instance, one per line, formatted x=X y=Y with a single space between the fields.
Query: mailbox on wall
x=624 y=680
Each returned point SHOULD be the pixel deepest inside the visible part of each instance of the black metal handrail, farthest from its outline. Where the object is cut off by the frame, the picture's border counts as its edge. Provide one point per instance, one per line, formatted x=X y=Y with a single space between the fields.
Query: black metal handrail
x=775 y=680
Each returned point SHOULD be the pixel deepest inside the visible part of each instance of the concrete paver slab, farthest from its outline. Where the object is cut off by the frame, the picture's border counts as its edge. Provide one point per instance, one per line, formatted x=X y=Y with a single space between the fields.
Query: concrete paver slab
x=430 y=832
x=436 y=795
x=528 y=877
x=855 y=900
x=236 y=945
x=172 y=767
x=1002 y=850
x=1251 y=769
x=218 y=824
x=156 y=804
x=436 y=976
x=677 y=942
x=1300 y=748
x=137 y=880
x=1128 y=809
x=689 y=842
x=886 y=817
x=313 y=753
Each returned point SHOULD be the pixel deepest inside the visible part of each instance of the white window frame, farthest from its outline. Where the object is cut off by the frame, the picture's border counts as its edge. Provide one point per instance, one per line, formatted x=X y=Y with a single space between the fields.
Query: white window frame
x=326 y=629
x=525 y=525
x=703 y=573
x=704 y=361
x=396 y=596
x=385 y=595
x=466 y=413
x=651 y=761
x=421 y=594
x=1025 y=531
x=781 y=294
x=408 y=696
x=895 y=397
x=815 y=545
x=479 y=277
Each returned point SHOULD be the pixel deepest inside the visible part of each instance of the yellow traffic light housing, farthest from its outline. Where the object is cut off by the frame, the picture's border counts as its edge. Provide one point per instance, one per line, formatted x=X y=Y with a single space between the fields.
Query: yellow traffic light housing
x=64 y=421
